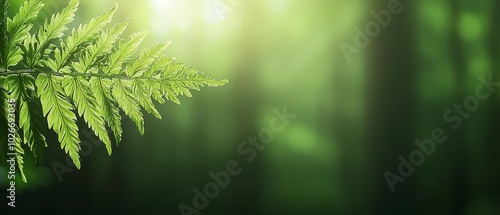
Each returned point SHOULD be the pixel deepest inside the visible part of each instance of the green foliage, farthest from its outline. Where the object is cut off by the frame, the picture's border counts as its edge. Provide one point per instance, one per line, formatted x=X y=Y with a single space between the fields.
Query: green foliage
x=17 y=31
x=3 y=117
x=30 y=112
x=4 y=5
x=92 y=73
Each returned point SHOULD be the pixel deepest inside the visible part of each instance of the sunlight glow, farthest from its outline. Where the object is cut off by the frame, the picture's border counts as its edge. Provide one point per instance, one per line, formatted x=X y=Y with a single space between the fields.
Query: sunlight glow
x=162 y=5
x=211 y=14
x=164 y=14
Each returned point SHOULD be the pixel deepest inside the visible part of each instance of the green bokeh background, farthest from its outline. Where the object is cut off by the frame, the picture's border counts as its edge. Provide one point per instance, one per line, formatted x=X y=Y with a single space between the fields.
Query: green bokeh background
x=353 y=119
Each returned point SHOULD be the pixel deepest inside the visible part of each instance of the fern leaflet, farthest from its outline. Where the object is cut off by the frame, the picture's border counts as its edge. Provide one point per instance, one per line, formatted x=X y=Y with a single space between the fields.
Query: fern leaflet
x=59 y=113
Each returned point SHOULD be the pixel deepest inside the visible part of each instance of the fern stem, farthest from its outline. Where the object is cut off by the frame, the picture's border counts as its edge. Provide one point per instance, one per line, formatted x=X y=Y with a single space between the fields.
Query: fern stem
x=87 y=75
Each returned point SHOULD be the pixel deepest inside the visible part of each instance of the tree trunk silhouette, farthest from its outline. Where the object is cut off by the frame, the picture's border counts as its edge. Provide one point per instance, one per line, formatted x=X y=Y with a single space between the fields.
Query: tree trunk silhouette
x=246 y=190
x=390 y=112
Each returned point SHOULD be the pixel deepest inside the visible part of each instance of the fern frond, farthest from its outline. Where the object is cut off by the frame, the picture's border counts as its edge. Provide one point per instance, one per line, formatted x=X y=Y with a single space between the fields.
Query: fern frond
x=84 y=33
x=92 y=73
x=145 y=63
x=18 y=29
x=36 y=45
x=145 y=59
x=59 y=113
x=159 y=65
x=19 y=158
x=4 y=132
x=110 y=112
x=144 y=97
x=3 y=116
x=179 y=79
x=30 y=113
x=79 y=90
x=20 y=24
x=154 y=86
x=124 y=52
x=103 y=45
x=31 y=122
x=128 y=102
x=4 y=9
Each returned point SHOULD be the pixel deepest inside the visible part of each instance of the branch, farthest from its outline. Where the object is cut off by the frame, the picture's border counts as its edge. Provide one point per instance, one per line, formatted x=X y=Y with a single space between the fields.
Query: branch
x=87 y=75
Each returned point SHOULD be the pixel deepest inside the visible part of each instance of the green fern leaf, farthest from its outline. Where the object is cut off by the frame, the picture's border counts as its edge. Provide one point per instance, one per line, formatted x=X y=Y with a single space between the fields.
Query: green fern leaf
x=30 y=113
x=19 y=158
x=4 y=9
x=4 y=131
x=159 y=65
x=145 y=59
x=141 y=67
x=79 y=90
x=3 y=116
x=18 y=29
x=110 y=112
x=155 y=88
x=20 y=24
x=128 y=102
x=59 y=113
x=92 y=73
x=103 y=45
x=31 y=122
x=53 y=29
x=144 y=97
x=84 y=33
x=179 y=79
x=154 y=84
x=124 y=52
x=191 y=78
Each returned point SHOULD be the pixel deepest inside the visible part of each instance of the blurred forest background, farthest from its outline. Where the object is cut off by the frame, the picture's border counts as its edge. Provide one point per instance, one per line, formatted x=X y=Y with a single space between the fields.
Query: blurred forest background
x=353 y=119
